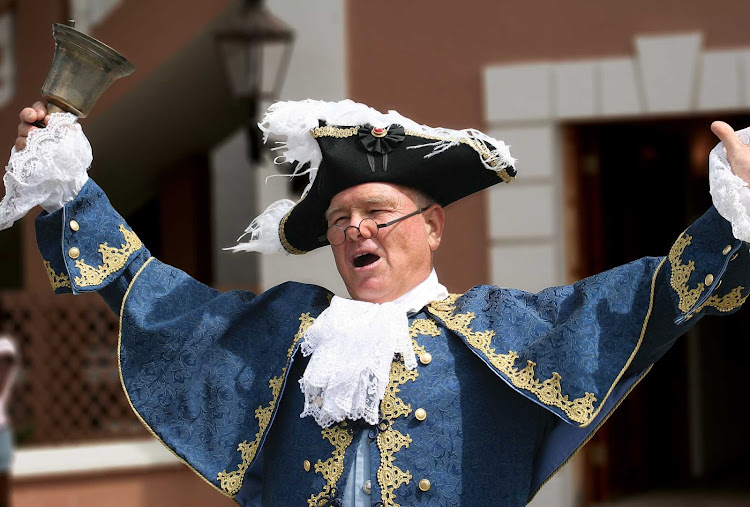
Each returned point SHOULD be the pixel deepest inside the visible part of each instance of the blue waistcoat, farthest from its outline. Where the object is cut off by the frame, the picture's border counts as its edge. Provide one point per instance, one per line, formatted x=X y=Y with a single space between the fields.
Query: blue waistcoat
x=510 y=384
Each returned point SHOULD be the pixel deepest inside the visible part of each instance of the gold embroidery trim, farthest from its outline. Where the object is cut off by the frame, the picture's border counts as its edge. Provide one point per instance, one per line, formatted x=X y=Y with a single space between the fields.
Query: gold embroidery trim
x=231 y=482
x=422 y=327
x=282 y=235
x=330 y=131
x=549 y=391
x=390 y=441
x=687 y=297
x=57 y=281
x=478 y=146
x=725 y=303
x=681 y=275
x=332 y=468
x=113 y=259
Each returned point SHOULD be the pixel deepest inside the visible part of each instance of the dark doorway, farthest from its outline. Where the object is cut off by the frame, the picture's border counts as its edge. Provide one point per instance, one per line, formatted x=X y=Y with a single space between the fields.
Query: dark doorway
x=639 y=185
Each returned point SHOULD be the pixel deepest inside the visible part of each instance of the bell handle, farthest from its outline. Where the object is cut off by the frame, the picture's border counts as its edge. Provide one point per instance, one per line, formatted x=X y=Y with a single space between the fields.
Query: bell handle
x=51 y=108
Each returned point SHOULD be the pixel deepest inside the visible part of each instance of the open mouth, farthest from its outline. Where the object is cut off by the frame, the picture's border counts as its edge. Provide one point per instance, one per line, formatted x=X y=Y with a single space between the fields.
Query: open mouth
x=363 y=260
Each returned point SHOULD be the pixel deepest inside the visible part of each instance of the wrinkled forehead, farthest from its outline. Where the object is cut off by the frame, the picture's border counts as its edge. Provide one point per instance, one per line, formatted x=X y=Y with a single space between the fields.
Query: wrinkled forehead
x=368 y=194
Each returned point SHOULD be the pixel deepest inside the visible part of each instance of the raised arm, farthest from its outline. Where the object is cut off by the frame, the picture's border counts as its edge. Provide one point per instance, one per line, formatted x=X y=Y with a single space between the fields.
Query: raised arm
x=202 y=369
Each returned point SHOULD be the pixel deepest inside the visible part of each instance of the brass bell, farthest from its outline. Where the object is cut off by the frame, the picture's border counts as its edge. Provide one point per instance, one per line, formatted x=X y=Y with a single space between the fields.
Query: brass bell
x=82 y=69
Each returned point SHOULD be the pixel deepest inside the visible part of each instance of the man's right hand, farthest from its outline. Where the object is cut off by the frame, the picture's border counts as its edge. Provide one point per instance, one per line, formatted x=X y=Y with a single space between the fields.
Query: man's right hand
x=29 y=115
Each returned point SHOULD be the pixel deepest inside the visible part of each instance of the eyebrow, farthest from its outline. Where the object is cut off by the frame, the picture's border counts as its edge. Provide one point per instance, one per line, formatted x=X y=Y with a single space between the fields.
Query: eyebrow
x=375 y=199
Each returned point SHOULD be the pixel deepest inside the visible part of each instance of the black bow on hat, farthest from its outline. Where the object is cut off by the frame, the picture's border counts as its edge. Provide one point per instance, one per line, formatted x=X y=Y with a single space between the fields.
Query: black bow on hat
x=381 y=140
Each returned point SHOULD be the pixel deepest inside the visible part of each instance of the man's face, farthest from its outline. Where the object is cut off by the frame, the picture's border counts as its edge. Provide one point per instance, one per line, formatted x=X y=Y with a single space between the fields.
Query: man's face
x=387 y=266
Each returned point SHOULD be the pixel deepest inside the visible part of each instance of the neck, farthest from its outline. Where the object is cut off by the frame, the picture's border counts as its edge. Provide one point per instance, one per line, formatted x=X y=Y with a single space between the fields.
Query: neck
x=431 y=278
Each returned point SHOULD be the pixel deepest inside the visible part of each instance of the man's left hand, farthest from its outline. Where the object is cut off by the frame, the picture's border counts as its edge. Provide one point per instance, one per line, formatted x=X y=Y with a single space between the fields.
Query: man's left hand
x=737 y=152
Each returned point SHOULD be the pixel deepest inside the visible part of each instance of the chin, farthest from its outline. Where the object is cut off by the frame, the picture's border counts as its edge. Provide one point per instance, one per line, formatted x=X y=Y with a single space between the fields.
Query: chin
x=367 y=295
x=369 y=292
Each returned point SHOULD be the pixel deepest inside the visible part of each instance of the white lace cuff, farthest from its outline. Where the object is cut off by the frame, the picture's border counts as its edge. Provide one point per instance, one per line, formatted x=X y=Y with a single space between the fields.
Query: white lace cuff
x=730 y=193
x=49 y=172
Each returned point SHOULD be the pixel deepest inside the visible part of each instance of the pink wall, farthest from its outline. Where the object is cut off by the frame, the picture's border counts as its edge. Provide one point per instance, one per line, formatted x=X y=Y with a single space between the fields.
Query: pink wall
x=163 y=487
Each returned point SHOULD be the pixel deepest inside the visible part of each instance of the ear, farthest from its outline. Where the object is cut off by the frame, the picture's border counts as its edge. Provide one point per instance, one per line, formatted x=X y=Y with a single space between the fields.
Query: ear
x=434 y=221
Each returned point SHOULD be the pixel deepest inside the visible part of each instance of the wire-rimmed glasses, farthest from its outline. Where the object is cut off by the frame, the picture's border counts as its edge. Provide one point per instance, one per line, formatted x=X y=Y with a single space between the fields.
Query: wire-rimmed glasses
x=367 y=228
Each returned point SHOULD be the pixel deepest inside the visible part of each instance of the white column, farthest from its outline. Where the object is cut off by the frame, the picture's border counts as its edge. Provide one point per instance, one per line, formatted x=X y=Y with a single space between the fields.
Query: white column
x=89 y=13
x=7 y=58
x=233 y=206
x=522 y=104
x=318 y=71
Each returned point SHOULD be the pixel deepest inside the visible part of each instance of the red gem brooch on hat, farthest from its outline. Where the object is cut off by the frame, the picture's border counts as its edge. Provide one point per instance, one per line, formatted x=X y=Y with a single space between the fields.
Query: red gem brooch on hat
x=381 y=139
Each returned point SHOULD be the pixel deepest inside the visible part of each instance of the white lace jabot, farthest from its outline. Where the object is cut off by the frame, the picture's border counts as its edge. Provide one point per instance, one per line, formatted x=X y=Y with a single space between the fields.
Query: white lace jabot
x=352 y=345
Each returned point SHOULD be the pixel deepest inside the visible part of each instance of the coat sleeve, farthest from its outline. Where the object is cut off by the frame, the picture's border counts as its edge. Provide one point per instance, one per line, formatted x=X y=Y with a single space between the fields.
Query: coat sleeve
x=707 y=272
x=203 y=370
x=87 y=246
x=568 y=347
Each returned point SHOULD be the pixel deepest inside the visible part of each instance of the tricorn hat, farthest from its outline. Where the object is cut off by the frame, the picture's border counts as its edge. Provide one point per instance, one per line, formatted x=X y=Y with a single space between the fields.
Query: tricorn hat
x=343 y=144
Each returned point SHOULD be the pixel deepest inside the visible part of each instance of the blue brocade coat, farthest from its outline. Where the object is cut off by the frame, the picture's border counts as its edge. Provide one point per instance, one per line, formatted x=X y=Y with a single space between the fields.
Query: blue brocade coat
x=516 y=384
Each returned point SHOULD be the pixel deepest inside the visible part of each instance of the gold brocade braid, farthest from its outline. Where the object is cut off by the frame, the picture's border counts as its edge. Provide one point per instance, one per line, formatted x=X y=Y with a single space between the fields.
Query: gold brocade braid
x=113 y=259
x=58 y=281
x=332 y=468
x=681 y=275
x=490 y=158
x=389 y=440
x=548 y=392
x=727 y=302
x=687 y=297
x=330 y=131
x=282 y=236
x=423 y=327
x=231 y=482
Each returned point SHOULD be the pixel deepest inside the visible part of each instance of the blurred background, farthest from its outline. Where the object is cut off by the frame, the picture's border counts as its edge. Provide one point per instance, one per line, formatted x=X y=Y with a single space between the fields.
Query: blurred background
x=606 y=105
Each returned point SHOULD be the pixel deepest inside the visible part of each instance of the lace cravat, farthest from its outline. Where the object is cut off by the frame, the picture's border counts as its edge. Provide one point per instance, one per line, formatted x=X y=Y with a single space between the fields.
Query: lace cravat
x=352 y=345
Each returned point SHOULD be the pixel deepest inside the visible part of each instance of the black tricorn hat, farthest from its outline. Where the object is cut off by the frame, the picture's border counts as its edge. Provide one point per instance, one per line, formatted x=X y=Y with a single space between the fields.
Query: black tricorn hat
x=344 y=144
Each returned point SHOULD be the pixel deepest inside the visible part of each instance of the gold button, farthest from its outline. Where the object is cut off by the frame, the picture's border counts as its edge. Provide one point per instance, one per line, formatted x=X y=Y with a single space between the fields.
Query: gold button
x=367 y=487
x=727 y=249
x=306 y=465
x=420 y=414
x=709 y=279
x=73 y=253
x=425 y=358
x=424 y=485
x=74 y=225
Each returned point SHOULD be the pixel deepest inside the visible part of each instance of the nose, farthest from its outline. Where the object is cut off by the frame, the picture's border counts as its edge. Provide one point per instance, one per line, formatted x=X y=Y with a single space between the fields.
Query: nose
x=352 y=233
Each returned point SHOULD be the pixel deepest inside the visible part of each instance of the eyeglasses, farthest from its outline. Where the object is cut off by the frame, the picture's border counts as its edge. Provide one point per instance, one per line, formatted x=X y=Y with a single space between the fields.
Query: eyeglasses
x=367 y=228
